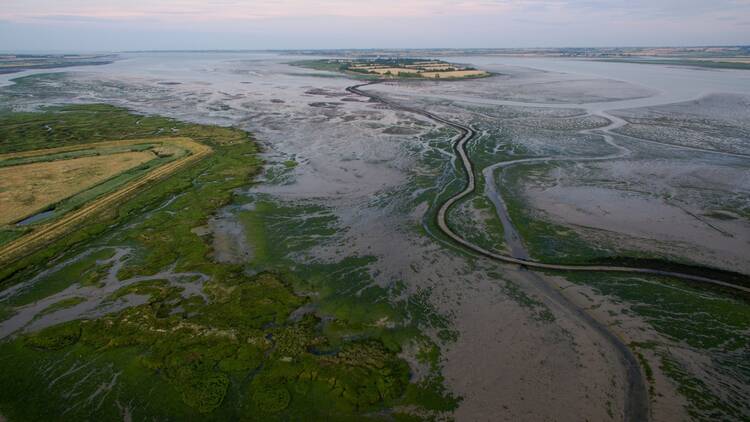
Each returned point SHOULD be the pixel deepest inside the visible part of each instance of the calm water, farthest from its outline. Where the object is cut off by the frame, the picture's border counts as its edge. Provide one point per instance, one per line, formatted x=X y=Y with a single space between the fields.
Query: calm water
x=675 y=83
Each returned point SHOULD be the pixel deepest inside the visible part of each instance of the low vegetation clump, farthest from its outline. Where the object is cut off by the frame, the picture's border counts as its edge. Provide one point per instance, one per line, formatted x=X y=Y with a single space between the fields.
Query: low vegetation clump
x=242 y=340
x=55 y=338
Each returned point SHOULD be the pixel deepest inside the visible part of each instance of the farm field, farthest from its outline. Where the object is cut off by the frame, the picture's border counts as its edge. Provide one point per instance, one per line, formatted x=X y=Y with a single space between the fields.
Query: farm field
x=55 y=193
x=29 y=188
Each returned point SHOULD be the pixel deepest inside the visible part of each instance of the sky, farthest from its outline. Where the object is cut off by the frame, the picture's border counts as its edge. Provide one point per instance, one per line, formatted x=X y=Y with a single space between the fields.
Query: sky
x=117 y=25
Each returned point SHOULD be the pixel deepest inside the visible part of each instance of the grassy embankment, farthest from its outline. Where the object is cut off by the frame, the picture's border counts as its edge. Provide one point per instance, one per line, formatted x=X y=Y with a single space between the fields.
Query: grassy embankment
x=239 y=354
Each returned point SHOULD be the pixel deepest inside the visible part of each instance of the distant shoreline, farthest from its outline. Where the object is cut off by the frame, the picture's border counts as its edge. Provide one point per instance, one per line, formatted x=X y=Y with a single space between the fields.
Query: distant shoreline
x=10 y=63
x=713 y=63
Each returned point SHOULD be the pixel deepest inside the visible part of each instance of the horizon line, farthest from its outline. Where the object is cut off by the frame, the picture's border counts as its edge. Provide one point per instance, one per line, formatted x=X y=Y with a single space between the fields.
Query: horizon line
x=273 y=50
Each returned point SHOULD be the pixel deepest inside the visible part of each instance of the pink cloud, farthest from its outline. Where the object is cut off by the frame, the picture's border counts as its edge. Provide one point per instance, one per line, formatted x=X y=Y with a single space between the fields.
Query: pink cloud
x=245 y=9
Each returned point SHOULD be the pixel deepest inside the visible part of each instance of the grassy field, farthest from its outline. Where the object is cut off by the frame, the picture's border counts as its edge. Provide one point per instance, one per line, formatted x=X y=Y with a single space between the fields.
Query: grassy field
x=29 y=188
x=240 y=350
x=52 y=181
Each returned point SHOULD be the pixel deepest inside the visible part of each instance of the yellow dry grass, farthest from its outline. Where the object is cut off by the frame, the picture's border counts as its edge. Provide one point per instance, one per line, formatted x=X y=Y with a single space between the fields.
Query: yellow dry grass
x=393 y=70
x=29 y=188
x=59 y=227
x=431 y=67
x=454 y=74
x=185 y=143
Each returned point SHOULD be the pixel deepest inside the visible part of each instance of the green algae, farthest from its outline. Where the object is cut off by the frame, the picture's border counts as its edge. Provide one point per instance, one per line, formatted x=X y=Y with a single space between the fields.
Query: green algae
x=199 y=359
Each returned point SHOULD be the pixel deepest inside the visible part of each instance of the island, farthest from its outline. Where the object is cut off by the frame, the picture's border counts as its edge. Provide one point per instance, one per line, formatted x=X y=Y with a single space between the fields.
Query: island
x=392 y=68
